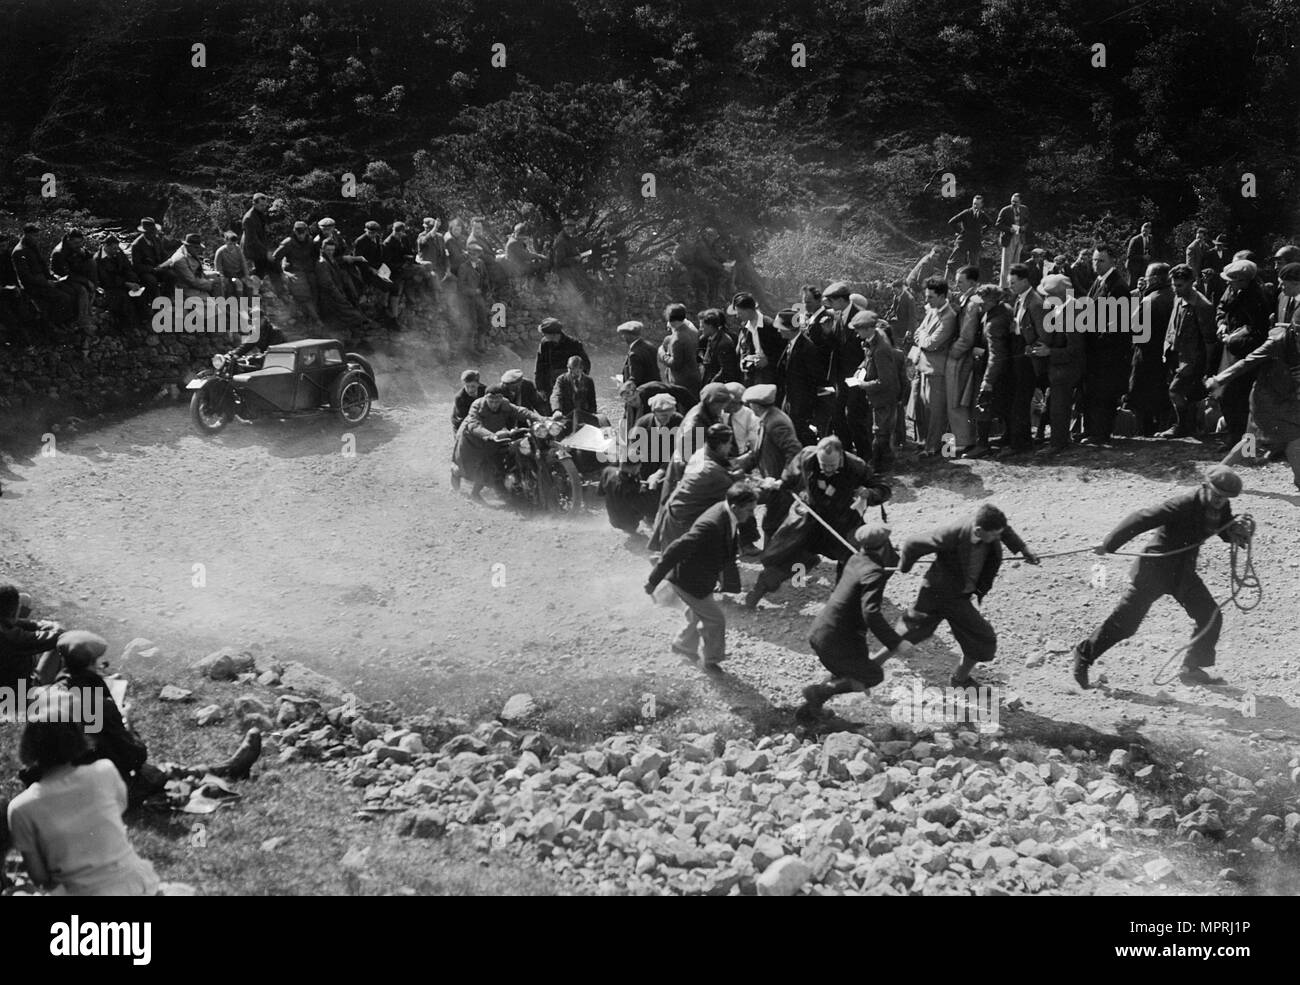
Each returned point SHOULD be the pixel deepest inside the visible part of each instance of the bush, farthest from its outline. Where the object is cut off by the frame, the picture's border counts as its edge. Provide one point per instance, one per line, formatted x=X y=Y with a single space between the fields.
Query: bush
x=792 y=258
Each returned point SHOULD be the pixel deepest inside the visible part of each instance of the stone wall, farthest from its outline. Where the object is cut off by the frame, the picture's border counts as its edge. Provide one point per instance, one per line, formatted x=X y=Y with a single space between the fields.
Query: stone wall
x=111 y=371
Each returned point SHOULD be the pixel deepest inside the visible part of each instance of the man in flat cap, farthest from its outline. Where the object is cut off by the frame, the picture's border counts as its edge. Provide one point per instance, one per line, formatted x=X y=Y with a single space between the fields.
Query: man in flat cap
x=81 y=655
x=642 y=363
x=1190 y=341
x=775 y=447
x=481 y=441
x=296 y=258
x=553 y=354
x=694 y=563
x=521 y=392
x=1183 y=521
x=1243 y=324
x=854 y=609
x=875 y=405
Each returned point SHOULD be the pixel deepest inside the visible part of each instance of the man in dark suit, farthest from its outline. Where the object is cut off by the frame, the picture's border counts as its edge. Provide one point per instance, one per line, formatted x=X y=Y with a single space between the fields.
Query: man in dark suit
x=846 y=357
x=1197 y=250
x=1189 y=343
x=1013 y=234
x=1217 y=260
x=1148 y=387
x=969 y=225
x=758 y=343
x=693 y=563
x=642 y=363
x=1181 y=521
x=1108 y=353
x=574 y=396
x=553 y=354
x=1139 y=254
x=839 y=633
x=967 y=558
x=721 y=361
x=800 y=373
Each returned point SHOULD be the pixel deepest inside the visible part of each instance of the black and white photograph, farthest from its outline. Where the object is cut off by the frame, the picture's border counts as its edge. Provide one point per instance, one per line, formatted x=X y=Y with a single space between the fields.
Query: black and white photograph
x=651 y=448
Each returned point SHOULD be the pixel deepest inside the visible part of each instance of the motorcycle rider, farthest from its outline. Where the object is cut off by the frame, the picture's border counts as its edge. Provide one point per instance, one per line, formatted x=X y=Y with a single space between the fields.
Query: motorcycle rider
x=482 y=439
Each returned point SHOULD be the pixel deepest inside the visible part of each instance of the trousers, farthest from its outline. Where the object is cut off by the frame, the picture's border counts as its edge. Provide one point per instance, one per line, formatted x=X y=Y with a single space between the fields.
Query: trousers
x=1148 y=585
x=977 y=639
x=705 y=622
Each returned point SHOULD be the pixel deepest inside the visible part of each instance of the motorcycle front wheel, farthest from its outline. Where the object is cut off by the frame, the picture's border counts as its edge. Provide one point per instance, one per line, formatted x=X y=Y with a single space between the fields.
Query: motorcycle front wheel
x=562 y=488
x=211 y=409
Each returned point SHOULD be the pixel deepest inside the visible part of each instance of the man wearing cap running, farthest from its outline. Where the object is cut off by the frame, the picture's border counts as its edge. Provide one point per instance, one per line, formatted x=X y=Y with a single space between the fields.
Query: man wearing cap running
x=839 y=633
x=1183 y=521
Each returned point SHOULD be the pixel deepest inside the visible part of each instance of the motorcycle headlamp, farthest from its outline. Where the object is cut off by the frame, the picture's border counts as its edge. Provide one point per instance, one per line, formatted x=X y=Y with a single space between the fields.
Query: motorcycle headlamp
x=218 y=361
x=555 y=428
x=540 y=429
x=524 y=447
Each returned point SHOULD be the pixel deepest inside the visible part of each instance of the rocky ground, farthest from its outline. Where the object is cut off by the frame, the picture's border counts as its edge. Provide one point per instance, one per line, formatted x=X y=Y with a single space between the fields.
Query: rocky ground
x=631 y=771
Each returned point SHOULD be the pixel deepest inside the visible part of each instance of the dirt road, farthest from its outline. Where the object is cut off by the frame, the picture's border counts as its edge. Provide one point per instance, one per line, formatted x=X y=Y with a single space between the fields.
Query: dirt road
x=369 y=568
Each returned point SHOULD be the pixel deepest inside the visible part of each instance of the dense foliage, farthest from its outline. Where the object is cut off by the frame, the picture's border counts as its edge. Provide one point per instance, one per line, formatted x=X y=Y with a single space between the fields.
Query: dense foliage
x=595 y=95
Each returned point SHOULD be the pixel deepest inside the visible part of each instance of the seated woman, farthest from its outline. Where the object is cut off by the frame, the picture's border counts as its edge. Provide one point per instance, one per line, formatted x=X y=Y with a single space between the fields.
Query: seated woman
x=68 y=823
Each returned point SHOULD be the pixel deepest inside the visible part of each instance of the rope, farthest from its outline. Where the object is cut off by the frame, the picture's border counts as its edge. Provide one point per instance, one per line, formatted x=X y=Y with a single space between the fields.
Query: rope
x=1245 y=579
x=1241 y=575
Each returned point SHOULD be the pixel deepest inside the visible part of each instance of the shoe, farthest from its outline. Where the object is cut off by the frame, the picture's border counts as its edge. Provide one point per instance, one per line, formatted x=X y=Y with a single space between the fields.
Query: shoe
x=976 y=451
x=713 y=669
x=1171 y=433
x=477 y=496
x=682 y=651
x=1079 y=669
x=814 y=696
x=1009 y=453
x=1196 y=675
x=968 y=682
x=238 y=765
x=751 y=598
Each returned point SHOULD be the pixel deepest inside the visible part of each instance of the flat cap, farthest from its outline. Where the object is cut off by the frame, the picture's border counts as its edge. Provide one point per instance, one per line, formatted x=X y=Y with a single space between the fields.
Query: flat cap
x=737 y=390
x=1289 y=271
x=81 y=646
x=761 y=393
x=1224 y=480
x=512 y=376
x=714 y=393
x=662 y=401
x=864 y=321
x=630 y=328
x=326 y=223
x=1240 y=271
x=872 y=535
x=551 y=326
x=837 y=290
x=718 y=433
x=1053 y=281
